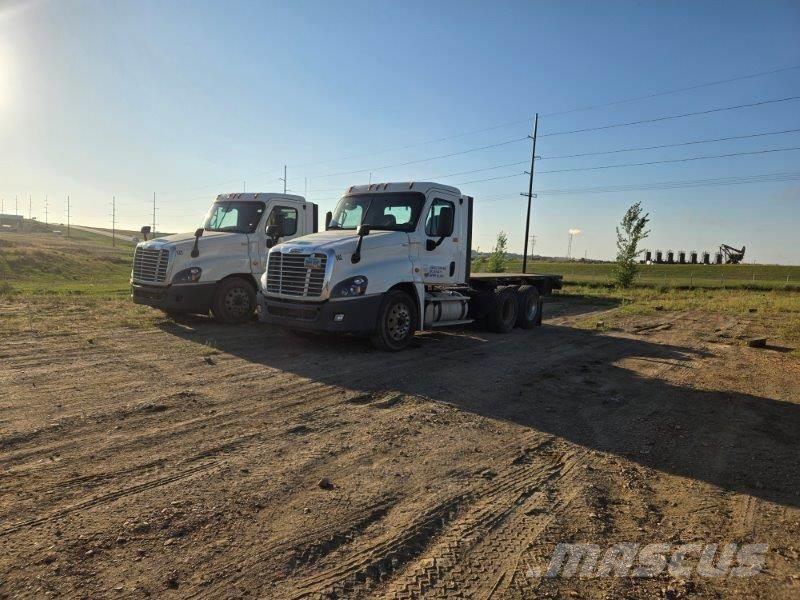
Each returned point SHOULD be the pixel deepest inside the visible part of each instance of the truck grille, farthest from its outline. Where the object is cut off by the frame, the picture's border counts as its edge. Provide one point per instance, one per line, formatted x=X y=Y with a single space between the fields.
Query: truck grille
x=150 y=265
x=288 y=274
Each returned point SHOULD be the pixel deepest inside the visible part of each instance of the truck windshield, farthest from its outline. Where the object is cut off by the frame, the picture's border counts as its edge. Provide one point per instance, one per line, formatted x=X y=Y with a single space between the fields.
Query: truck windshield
x=235 y=217
x=390 y=211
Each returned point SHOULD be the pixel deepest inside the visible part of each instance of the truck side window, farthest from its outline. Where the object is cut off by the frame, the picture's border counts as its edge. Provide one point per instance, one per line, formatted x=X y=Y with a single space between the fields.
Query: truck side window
x=284 y=216
x=432 y=222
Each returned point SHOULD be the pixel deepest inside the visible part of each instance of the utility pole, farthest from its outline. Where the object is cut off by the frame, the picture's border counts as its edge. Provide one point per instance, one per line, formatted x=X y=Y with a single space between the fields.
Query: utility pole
x=530 y=194
x=154 y=214
x=283 y=179
x=68 y=216
x=30 y=207
x=16 y=210
x=2 y=205
x=45 y=209
x=113 y=221
x=305 y=187
x=244 y=186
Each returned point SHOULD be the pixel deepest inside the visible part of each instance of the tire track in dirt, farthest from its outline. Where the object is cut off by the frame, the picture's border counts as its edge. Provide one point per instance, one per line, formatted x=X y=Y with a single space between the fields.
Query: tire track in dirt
x=435 y=540
x=108 y=497
x=477 y=555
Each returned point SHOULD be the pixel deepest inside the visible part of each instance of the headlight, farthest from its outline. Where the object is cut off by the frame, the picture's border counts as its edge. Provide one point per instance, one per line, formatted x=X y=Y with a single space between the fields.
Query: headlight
x=190 y=275
x=353 y=286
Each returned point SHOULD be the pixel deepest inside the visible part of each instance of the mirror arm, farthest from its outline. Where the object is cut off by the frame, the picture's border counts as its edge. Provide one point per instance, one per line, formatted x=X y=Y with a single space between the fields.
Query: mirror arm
x=356 y=257
x=430 y=245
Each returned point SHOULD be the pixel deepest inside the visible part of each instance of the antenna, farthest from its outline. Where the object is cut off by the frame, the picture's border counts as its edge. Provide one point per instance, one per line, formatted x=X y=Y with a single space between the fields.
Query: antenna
x=154 y=214
x=16 y=212
x=30 y=208
x=283 y=179
x=45 y=209
x=67 y=216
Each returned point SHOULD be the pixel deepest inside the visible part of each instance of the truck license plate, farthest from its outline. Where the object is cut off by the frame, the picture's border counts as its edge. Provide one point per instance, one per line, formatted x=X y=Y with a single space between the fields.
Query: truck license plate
x=313 y=262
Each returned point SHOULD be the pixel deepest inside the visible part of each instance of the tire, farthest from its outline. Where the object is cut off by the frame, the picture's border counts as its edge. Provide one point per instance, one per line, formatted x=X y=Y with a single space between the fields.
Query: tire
x=396 y=322
x=503 y=312
x=528 y=307
x=234 y=301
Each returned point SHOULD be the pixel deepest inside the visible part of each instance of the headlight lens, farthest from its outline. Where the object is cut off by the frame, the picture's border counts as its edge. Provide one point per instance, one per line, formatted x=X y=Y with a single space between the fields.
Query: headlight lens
x=353 y=286
x=190 y=275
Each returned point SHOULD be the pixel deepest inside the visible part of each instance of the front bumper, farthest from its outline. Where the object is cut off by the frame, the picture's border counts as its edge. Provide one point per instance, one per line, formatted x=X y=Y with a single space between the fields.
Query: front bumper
x=360 y=315
x=192 y=297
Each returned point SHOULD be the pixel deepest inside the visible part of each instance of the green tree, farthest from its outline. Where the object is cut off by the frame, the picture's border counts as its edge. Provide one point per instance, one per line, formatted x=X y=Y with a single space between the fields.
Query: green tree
x=630 y=233
x=497 y=259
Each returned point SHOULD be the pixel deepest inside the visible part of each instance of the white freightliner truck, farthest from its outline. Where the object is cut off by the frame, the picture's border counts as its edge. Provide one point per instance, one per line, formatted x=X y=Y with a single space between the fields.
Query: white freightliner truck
x=394 y=259
x=218 y=267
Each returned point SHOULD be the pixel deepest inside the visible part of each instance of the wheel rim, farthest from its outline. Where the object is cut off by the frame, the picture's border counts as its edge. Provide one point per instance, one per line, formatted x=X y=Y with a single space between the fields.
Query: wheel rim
x=237 y=302
x=398 y=321
x=530 y=308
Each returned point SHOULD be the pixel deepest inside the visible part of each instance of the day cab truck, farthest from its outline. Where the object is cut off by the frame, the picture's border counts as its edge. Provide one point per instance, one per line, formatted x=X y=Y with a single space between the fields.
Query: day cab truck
x=394 y=259
x=217 y=268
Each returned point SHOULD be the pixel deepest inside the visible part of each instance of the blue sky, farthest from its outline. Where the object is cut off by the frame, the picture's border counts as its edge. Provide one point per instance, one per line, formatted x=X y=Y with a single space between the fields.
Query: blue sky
x=191 y=99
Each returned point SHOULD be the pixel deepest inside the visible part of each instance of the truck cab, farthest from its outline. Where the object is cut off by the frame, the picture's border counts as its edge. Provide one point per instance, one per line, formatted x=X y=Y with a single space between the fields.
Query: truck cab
x=217 y=267
x=394 y=259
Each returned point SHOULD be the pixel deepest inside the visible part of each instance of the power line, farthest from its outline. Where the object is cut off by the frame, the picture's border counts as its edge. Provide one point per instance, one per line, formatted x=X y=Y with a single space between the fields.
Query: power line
x=422 y=160
x=492 y=178
x=674 y=160
x=637 y=148
x=673 y=91
x=666 y=118
x=417 y=144
x=529 y=119
x=662 y=185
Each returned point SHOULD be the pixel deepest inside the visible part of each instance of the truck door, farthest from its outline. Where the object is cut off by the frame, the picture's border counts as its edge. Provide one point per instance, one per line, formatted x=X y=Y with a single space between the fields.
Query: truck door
x=440 y=252
x=287 y=215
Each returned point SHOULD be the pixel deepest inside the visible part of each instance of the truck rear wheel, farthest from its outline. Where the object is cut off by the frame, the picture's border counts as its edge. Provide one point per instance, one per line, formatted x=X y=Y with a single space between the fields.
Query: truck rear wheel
x=234 y=301
x=396 y=322
x=504 y=310
x=528 y=307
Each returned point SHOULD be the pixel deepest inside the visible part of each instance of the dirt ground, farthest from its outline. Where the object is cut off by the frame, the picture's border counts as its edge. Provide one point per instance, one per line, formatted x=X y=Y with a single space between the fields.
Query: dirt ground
x=195 y=460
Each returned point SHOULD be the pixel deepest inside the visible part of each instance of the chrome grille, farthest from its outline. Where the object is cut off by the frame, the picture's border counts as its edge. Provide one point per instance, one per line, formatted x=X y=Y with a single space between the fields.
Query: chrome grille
x=150 y=265
x=287 y=274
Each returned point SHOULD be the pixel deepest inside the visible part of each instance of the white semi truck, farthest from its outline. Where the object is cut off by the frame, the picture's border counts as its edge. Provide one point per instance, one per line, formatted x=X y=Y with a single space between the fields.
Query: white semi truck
x=217 y=268
x=394 y=259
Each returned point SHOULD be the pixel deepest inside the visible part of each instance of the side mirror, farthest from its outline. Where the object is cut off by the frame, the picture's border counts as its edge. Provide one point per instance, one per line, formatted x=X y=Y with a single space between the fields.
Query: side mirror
x=199 y=232
x=145 y=230
x=362 y=230
x=444 y=228
x=273 y=233
x=444 y=225
x=328 y=219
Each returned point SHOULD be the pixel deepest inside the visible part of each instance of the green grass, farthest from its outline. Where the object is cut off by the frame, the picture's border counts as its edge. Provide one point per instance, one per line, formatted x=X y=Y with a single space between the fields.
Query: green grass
x=721 y=276
x=775 y=311
x=39 y=261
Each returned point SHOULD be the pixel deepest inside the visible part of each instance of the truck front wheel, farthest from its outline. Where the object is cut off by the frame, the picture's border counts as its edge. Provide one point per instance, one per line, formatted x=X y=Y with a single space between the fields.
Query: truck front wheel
x=396 y=322
x=234 y=301
x=503 y=310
